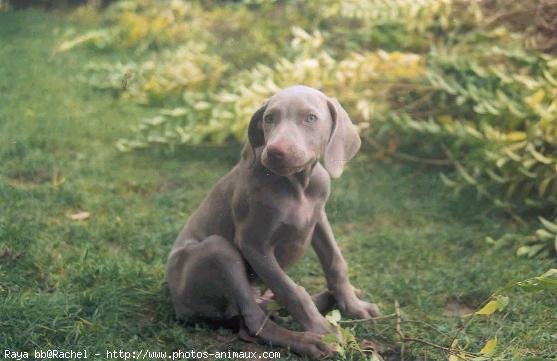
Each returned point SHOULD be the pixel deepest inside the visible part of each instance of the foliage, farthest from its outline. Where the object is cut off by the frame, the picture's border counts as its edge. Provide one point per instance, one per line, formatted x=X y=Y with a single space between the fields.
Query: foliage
x=143 y=25
x=542 y=242
x=499 y=124
x=448 y=72
x=166 y=76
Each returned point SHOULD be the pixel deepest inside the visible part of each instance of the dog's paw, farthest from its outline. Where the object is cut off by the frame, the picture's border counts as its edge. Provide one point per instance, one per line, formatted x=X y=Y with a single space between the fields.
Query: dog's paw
x=359 y=309
x=312 y=345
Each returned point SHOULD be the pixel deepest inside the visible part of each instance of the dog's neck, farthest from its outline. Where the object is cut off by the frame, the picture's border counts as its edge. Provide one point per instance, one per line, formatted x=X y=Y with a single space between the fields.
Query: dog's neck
x=301 y=179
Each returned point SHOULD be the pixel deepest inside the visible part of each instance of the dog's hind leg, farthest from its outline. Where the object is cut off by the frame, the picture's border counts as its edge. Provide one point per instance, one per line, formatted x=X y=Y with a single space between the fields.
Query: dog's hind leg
x=324 y=301
x=209 y=279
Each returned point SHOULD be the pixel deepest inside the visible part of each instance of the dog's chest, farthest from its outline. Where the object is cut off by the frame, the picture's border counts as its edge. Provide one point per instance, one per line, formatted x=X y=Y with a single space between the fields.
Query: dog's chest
x=280 y=217
x=292 y=231
x=296 y=215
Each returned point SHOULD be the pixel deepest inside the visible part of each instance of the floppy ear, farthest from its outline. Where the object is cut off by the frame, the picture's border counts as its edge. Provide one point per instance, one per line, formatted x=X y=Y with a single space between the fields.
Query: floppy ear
x=255 y=132
x=344 y=141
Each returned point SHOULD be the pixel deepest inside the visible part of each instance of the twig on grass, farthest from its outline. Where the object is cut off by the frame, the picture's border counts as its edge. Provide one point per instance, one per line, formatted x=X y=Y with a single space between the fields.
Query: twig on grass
x=399 y=330
x=379 y=318
x=263 y=324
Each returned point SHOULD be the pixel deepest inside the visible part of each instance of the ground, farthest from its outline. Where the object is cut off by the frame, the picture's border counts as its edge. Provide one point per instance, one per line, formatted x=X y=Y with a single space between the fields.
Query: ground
x=98 y=283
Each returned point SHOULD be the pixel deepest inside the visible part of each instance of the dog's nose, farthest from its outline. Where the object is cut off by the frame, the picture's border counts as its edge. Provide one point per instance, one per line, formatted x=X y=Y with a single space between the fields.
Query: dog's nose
x=276 y=152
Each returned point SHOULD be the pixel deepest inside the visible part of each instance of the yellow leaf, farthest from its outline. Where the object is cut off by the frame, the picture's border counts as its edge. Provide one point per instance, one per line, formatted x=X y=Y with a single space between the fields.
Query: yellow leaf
x=488 y=309
x=489 y=347
x=453 y=350
x=535 y=99
x=515 y=136
x=333 y=317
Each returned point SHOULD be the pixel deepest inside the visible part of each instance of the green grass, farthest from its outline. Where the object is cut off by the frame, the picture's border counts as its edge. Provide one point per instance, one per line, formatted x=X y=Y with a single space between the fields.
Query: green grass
x=98 y=284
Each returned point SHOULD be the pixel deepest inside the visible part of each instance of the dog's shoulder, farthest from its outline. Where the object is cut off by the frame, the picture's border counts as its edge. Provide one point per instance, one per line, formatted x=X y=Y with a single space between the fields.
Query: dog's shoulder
x=320 y=182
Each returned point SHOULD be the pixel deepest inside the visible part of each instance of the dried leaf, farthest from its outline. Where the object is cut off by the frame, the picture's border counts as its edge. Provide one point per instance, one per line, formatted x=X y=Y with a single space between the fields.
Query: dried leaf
x=488 y=309
x=333 y=317
x=79 y=216
x=489 y=347
x=453 y=350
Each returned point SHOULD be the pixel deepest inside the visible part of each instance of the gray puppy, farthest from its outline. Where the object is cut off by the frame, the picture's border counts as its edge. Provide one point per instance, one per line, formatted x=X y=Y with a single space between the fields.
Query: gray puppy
x=260 y=218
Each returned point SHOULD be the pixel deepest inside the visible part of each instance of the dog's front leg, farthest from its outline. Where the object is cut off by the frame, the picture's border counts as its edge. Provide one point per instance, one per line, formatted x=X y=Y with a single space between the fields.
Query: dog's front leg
x=294 y=297
x=336 y=272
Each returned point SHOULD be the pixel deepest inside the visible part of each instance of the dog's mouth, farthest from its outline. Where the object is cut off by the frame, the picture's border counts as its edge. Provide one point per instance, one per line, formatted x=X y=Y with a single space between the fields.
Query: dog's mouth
x=282 y=169
x=285 y=171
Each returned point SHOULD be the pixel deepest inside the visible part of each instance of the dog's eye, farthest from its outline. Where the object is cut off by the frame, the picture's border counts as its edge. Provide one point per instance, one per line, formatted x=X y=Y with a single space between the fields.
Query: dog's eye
x=269 y=118
x=311 y=118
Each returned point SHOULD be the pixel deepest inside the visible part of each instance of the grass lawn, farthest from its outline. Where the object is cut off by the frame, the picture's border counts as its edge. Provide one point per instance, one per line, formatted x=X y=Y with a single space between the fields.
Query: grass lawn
x=98 y=284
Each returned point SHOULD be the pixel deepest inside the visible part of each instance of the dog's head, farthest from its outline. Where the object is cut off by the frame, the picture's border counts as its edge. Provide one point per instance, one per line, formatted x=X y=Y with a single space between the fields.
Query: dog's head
x=300 y=125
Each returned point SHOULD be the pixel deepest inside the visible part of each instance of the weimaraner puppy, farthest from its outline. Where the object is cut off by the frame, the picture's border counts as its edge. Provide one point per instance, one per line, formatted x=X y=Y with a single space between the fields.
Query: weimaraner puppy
x=260 y=218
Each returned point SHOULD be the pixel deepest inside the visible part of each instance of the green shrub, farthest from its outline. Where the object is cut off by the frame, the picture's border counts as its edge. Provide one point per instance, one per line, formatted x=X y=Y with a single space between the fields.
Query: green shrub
x=436 y=78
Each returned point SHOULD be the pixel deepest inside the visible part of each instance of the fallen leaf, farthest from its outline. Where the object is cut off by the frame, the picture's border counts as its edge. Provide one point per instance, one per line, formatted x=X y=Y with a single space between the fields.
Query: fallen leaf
x=488 y=309
x=333 y=317
x=489 y=347
x=453 y=350
x=58 y=179
x=79 y=216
